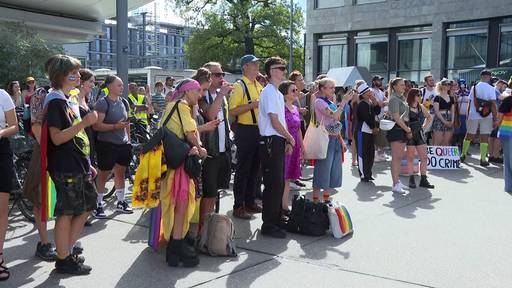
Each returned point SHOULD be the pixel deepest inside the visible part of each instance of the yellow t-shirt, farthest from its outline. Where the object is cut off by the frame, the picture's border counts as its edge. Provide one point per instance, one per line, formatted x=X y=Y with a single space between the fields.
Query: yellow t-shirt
x=189 y=124
x=239 y=98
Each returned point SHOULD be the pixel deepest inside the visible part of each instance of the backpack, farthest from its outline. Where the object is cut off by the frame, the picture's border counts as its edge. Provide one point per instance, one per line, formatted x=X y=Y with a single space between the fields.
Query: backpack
x=217 y=236
x=307 y=217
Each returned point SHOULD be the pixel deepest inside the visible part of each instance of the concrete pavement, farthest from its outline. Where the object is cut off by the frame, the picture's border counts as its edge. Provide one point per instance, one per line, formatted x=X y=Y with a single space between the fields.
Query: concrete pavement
x=456 y=235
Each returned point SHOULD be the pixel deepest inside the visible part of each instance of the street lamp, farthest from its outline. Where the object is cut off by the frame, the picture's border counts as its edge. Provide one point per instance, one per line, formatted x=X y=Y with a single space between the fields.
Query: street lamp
x=290 y=62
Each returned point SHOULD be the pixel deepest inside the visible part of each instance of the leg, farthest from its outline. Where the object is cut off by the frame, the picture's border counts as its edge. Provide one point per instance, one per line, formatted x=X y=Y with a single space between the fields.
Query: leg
x=411 y=154
x=369 y=150
x=360 y=154
x=41 y=226
x=286 y=195
x=437 y=138
x=244 y=165
x=62 y=233
x=101 y=179
x=77 y=225
x=179 y=217
x=397 y=152
x=484 y=147
x=448 y=135
x=4 y=209
x=422 y=153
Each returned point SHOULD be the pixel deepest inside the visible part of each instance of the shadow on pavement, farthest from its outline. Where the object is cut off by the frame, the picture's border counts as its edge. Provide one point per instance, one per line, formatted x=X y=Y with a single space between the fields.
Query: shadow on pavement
x=367 y=192
x=458 y=175
x=404 y=207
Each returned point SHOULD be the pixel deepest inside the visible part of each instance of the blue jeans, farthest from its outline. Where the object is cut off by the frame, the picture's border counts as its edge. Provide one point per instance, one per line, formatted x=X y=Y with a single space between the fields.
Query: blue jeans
x=327 y=172
x=507 y=163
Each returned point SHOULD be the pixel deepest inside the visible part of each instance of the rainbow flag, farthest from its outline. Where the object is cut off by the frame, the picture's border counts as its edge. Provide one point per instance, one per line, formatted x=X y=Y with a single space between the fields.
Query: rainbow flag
x=505 y=130
x=344 y=220
x=51 y=198
x=156 y=233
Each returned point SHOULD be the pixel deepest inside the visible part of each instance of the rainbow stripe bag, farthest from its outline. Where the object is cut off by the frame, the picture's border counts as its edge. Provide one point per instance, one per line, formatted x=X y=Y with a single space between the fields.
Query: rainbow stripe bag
x=339 y=220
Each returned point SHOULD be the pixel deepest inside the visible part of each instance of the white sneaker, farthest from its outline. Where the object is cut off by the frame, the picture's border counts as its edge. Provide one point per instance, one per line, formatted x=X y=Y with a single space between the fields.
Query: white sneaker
x=398 y=189
x=378 y=158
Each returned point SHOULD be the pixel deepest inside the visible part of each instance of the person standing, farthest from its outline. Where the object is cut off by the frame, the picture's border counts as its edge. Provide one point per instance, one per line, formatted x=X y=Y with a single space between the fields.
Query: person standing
x=444 y=111
x=419 y=119
x=14 y=91
x=30 y=88
x=494 y=142
x=113 y=148
x=243 y=106
x=169 y=85
x=216 y=172
x=68 y=163
x=158 y=99
x=380 y=137
x=293 y=123
x=463 y=105
x=505 y=136
x=400 y=133
x=275 y=141
x=8 y=127
x=481 y=94
x=367 y=109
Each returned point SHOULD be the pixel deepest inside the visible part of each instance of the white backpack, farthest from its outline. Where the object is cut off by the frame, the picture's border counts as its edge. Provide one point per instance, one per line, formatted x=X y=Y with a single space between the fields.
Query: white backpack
x=217 y=236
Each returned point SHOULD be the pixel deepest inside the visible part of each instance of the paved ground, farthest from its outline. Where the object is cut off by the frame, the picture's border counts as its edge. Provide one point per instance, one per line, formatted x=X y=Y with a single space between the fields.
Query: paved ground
x=457 y=235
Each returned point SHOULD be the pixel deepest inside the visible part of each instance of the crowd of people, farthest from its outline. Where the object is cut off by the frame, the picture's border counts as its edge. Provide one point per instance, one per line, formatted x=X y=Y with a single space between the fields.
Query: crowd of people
x=82 y=135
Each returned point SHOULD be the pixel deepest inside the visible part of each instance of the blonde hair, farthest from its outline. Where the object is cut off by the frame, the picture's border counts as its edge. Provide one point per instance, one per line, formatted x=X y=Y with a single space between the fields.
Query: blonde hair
x=359 y=82
x=211 y=64
x=324 y=82
x=439 y=85
x=393 y=82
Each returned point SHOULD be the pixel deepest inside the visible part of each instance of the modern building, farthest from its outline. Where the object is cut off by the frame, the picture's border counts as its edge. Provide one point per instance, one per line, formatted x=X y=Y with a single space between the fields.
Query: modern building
x=150 y=43
x=409 y=38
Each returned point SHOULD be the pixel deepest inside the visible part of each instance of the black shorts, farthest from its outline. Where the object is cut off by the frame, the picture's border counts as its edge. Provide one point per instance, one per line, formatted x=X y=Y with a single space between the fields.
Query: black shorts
x=494 y=132
x=396 y=134
x=76 y=194
x=418 y=138
x=6 y=166
x=109 y=154
x=216 y=174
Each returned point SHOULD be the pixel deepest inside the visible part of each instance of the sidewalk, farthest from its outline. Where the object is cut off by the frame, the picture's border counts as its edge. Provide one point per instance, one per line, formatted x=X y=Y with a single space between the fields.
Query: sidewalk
x=457 y=235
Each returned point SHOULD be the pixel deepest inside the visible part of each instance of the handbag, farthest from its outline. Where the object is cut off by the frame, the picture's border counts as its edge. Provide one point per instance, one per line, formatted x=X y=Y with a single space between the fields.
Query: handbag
x=175 y=149
x=316 y=141
x=193 y=166
x=483 y=107
x=307 y=217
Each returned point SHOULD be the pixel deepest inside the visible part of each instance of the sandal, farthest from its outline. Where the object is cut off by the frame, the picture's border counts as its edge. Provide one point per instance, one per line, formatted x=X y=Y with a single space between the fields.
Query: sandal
x=4 y=271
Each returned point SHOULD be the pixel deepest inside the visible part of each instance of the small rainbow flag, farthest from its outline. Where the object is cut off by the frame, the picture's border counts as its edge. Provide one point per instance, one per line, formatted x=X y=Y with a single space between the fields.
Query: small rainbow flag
x=339 y=220
x=344 y=220
x=51 y=198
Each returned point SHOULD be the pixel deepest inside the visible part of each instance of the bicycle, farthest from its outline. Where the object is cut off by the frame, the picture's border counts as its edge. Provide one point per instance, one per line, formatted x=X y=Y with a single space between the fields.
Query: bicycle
x=21 y=160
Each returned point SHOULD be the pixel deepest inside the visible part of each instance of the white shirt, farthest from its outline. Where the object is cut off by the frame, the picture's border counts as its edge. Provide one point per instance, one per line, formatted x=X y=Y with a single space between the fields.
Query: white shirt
x=379 y=95
x=271 y=101
x=484 y=91
x=429 y=94
x=6 y=104
x=167 y=90
x=220 y=116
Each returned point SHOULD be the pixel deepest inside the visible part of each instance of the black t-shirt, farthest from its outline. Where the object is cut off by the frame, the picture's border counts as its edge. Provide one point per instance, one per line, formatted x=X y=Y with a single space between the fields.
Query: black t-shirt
x=71 y=156
x=443 y=105
x=506 y=105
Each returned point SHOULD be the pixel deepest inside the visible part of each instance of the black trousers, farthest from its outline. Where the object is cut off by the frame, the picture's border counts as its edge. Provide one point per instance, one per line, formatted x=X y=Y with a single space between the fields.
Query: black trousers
x=365 y=153
x=247 y=139
x=272 y=163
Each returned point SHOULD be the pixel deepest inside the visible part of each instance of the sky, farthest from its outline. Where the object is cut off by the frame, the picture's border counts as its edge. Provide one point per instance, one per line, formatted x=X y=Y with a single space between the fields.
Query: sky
x=166 y=13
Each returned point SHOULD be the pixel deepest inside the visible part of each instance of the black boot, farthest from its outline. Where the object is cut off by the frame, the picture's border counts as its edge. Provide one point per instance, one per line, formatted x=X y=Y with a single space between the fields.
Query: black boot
x=179 y=251
x=424 y=182
x=412 y=182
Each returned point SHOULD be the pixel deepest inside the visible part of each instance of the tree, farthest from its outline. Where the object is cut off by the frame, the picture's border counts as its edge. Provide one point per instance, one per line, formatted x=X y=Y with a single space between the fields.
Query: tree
x=23 y=53
x=228 y=29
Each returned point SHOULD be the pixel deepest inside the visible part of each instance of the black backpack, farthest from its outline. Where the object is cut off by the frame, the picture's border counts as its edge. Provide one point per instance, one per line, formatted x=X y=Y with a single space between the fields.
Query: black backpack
x=307 y=217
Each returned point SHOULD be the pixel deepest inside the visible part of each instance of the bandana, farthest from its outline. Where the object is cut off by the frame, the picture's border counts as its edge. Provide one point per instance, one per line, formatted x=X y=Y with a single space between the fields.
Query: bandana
x=190 y=85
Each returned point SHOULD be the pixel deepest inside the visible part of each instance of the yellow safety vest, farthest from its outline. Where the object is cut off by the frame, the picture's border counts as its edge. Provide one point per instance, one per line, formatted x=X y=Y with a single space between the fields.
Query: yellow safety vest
x=142 y=115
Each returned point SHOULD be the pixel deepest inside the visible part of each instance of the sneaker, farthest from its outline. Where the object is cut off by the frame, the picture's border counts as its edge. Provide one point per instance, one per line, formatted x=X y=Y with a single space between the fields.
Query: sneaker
x=299 y=184
x=484 y=163
x=253 y=208
x=46 y=252
x=273 y=231
x=241 y=213
x=402 y=185
x=398 y=189
x=124 y=207
x=70 y=265
x=462 y=158
x=99 y=213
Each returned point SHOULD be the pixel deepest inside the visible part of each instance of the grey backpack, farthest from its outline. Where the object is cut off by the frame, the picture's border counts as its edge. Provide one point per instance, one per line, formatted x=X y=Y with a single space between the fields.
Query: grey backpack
x=217 y=236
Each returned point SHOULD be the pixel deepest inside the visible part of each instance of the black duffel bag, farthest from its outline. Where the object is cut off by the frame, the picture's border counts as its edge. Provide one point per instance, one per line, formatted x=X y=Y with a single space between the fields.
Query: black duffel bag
x=175 y=149
x=307 y=217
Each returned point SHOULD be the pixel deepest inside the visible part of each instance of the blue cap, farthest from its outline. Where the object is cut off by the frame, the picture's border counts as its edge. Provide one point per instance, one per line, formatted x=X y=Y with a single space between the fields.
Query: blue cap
x=248 y=59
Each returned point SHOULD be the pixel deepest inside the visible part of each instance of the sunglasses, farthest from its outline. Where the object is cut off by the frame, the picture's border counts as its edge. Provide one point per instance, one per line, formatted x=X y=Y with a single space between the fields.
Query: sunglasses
x=282 y=68
x=220 y=74
x=294 y=90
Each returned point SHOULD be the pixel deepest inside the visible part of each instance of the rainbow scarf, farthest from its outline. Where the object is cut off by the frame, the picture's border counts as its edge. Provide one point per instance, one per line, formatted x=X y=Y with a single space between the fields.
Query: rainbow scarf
x=505 y=130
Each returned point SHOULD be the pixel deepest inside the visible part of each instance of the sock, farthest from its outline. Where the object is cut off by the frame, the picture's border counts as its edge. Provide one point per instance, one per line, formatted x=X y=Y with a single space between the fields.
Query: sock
x=120 y=194
x=465 y=147
x=326 y=196
x=483 y=151
x=99 y=199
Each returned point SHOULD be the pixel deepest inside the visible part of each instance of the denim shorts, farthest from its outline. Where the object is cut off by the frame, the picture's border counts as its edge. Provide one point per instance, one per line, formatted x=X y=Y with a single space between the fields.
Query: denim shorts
x=76 y=194
x=328 y=172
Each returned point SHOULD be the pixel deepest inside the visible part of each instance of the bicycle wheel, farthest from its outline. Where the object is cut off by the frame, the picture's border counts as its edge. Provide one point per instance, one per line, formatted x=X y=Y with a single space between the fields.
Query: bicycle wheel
x=112 y=190
x=27 y=209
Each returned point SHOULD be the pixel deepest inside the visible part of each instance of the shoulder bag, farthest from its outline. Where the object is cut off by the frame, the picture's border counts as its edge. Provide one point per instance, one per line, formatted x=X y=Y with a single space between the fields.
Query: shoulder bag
x=483 y=107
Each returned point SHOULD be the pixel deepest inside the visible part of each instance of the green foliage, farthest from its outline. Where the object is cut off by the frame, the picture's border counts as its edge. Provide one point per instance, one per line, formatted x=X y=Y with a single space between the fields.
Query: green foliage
x=229 y=29
x=22 y=53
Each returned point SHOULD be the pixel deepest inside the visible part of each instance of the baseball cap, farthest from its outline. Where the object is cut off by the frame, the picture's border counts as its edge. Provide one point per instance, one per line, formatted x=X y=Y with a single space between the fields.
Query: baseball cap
x=485 y=72
x=248 y=59
x=377 y=77
x=29 y=79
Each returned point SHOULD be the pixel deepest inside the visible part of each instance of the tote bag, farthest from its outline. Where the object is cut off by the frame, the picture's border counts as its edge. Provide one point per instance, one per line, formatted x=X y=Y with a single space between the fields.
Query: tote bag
x=316 y=141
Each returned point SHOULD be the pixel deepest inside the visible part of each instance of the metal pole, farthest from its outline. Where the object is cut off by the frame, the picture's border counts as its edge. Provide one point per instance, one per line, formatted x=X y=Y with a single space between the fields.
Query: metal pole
x=122 y=42
x=290 y=63
x=143 y=38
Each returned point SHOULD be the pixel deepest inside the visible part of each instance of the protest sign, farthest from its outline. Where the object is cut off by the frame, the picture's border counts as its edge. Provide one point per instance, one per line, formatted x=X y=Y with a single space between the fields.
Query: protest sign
x=443 y=157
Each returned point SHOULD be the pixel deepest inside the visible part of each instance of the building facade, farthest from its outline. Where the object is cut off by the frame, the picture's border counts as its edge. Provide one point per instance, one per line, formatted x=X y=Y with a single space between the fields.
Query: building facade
x=149 y=44
x=409 y=38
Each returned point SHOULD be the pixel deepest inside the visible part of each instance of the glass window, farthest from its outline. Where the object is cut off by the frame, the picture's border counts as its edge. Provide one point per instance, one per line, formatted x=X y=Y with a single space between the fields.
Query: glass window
x=373 y=56
x=329 y=3
x=358 y=2
x=332 y=56
x=468 y=24
x=414 y=54
x=467 y=51
x=506 y=48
